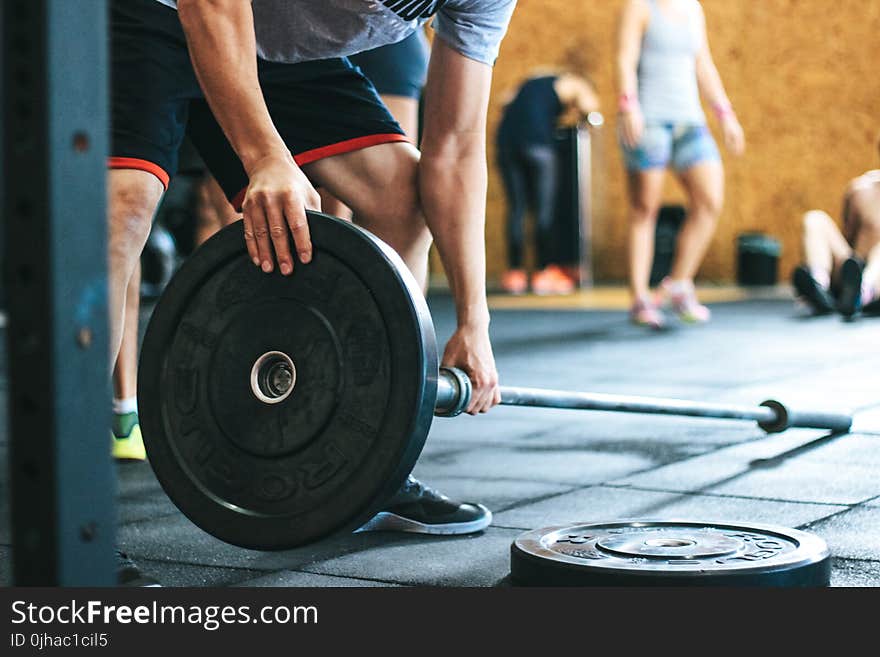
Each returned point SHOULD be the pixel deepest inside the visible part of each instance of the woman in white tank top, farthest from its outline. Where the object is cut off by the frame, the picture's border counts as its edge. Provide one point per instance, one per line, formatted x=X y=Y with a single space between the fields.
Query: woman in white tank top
x=664 y=66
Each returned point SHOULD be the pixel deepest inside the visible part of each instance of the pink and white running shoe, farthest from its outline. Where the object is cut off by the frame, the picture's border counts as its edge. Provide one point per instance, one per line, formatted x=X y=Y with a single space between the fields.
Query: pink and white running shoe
x=682 y=298
x=645 y=313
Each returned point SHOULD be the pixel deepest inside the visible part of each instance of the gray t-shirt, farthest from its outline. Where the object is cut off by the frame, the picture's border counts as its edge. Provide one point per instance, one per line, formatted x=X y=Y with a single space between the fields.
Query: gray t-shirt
x=303 y=30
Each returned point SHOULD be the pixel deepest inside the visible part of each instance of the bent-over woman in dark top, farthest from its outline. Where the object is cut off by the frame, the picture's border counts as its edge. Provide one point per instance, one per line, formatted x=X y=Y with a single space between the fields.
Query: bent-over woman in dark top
x=527 y=159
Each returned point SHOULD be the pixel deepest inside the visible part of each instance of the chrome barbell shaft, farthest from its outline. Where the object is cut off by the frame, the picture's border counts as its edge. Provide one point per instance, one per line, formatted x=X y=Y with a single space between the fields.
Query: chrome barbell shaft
x=453 y=395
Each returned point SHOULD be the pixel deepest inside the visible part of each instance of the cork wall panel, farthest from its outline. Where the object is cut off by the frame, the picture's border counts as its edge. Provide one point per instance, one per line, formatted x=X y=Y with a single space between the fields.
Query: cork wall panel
x=802 y=75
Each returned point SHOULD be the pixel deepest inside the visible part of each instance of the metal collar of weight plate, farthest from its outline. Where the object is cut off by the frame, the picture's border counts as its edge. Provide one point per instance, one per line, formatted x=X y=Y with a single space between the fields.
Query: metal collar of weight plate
x=278 y=410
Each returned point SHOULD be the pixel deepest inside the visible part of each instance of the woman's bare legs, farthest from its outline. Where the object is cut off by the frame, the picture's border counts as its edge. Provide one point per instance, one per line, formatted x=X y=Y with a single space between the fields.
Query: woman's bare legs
x=645 y=196
x=704 y=185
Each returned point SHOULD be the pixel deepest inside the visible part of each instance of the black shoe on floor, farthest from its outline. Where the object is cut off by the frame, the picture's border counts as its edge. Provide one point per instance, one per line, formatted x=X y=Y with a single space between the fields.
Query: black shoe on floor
x=850 y=300
x=128 y=574
x=422 y=510
x=808 y=288
x=872 y=308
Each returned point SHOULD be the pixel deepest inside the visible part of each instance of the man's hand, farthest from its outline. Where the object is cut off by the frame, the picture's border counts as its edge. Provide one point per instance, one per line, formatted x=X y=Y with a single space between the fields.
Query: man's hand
x=276 y=201
x=734 y=137
x=632 y=127
x=469 y=350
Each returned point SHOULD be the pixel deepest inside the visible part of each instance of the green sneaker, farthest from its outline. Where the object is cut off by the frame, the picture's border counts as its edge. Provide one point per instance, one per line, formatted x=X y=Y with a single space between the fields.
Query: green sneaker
x=128 y=445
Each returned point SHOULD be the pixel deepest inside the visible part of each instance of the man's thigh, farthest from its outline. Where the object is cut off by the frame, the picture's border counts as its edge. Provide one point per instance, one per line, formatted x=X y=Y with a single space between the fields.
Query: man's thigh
x=379 y=183
x=839 y=247
x=152 y=83
x=322 y=110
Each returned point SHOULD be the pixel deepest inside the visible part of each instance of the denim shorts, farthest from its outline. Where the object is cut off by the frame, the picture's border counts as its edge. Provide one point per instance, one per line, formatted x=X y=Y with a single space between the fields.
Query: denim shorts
x=682 y=145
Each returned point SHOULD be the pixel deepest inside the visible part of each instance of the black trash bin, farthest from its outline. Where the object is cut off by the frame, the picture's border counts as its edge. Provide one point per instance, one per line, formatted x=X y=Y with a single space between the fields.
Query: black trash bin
x=758 y=259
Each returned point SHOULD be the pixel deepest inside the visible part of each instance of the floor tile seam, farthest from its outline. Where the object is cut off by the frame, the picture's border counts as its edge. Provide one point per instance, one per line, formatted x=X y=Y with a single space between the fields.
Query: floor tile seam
x=537 y=499
x=702 y=493
x=163 y=516
x=832 y=516
x=857 y=560
x=304 y=570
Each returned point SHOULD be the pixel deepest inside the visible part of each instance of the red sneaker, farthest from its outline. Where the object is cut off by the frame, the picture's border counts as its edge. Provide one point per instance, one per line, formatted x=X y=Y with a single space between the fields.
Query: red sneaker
x=515 y=281
x=551 y=281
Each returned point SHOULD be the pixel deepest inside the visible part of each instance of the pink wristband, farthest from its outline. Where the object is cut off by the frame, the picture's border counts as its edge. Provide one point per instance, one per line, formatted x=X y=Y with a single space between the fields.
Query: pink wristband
x=627 y=103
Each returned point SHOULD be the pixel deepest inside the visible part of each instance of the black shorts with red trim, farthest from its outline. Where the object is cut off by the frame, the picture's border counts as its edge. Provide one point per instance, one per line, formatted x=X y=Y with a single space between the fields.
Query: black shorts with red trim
x=320 y=108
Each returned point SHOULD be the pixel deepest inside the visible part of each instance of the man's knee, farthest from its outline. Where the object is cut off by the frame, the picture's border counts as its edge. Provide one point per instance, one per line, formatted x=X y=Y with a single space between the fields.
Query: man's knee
x=867 y=242
x=816 y=220
x=398 y=210
x=408 y=221
x=870 y=226
x=133 y=201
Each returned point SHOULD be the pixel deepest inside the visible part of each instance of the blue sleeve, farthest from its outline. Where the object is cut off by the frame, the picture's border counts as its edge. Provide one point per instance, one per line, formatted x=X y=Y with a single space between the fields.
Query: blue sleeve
x=474 y=28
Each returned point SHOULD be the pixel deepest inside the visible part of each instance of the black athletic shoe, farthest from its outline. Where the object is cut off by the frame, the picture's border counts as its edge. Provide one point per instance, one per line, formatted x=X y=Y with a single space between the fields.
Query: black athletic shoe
x=808 y=288
x=422 y=510
x=872 y=308
x=850 y=300
x=128 y=574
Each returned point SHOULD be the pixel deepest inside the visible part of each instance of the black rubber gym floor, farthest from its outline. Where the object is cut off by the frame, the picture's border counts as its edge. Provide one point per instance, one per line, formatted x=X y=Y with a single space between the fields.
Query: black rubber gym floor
x=536 y=467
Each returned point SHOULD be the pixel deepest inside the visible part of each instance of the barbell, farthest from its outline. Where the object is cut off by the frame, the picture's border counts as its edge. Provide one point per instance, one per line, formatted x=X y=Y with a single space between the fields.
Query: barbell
x=278 y=410
x=454 y=390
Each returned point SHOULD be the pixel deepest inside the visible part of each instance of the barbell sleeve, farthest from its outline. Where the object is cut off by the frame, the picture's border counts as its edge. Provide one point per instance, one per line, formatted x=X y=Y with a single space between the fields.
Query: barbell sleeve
x=454 y=389
x=787 y=418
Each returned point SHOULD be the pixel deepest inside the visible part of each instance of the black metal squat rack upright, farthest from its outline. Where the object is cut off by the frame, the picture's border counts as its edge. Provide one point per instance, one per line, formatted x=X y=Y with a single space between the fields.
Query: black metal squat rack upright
x=55 y=143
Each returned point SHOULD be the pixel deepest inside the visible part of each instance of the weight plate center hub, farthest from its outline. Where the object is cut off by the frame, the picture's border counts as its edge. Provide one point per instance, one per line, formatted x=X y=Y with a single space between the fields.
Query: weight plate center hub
x=273 y=377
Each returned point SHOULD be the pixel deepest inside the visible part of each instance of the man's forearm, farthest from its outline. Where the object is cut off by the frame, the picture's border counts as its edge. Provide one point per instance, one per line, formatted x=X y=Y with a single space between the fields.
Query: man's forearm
x=453 y=195
x=222 y=45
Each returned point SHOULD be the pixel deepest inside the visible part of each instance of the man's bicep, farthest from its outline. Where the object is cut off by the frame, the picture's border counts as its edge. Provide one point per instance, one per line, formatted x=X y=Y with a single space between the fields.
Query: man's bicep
x=456 y=100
